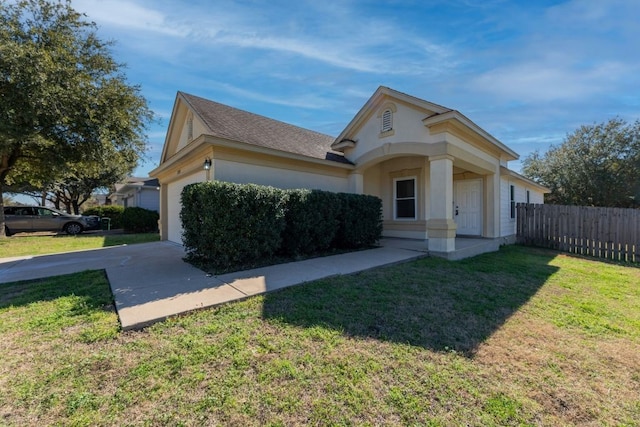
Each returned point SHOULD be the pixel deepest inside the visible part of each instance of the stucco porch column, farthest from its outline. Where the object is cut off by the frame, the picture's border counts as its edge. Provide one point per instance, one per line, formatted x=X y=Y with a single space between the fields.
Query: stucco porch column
x=441 y=228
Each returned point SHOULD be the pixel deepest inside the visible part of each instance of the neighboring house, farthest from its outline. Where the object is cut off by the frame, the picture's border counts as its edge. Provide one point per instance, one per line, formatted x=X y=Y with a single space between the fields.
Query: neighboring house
x=101 y=199
x=439 y=175
x=138 y=192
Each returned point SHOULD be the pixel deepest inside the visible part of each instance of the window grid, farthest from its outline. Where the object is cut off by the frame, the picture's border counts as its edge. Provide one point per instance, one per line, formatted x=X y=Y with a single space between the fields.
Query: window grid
x=405 y=198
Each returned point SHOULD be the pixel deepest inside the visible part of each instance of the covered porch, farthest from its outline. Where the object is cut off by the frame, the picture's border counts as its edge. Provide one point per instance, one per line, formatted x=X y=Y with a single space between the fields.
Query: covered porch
x=435 y=194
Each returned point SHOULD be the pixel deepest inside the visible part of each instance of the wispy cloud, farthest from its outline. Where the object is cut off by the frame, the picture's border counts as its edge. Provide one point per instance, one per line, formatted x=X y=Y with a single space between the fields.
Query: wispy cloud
x=371 y=48
x=550 y=81
x=308 y=101
x=326 y=53
x=131 y=16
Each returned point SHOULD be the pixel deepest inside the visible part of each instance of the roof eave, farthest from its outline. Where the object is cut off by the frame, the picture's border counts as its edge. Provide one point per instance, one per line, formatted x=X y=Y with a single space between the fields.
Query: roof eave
x=508 y=172
x=460 y=118
x=204 y=140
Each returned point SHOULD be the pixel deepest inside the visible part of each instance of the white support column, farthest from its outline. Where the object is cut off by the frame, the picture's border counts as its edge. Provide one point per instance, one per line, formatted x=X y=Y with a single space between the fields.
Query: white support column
x=356 y=183
x=492 y=206
x=440 y=227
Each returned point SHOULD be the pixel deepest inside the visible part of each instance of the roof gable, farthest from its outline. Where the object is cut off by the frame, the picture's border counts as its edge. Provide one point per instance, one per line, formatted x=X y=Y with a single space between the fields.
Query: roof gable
x=382 y=95
x=436 y=117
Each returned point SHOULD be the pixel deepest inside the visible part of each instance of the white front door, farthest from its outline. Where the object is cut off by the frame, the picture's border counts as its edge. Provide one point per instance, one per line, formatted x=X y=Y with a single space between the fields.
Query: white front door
x=467 y=212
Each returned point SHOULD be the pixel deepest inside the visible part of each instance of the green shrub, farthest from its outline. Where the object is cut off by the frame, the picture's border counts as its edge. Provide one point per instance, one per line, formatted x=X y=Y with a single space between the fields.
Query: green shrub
x=229 y=224
x=360 y=221
x=311 y=221
x=111 y=211
x=140 y=220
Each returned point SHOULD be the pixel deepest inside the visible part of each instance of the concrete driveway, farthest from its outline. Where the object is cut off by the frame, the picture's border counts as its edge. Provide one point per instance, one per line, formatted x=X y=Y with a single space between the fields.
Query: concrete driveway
x=150 y=281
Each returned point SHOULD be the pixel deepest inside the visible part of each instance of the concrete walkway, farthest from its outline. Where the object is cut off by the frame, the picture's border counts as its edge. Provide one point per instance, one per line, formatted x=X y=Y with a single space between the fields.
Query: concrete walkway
x=150 y=281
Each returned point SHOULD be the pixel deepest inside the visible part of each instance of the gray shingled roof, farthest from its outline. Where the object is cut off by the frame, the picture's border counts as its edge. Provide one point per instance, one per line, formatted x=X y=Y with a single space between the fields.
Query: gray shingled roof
x=147 y=182
x=241 y=126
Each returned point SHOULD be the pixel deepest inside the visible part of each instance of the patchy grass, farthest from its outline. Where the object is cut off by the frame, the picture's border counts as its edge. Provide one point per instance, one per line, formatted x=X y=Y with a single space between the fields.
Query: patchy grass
x=50 y=244
x=519 y=337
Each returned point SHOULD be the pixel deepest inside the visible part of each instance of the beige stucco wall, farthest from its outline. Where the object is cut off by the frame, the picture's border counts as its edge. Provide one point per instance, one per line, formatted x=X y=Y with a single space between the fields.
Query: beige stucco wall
x=492 y=162
x=198 y=129
x=407 y=126
x=173 y=205
x=245 y=173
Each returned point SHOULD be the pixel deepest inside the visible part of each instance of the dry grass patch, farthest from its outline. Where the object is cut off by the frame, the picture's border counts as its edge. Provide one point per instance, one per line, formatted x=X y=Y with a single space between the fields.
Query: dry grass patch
x=519 y=337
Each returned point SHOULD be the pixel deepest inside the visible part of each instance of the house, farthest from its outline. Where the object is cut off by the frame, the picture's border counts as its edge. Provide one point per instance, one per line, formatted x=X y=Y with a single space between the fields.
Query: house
x=137 y=192
x=439 y=175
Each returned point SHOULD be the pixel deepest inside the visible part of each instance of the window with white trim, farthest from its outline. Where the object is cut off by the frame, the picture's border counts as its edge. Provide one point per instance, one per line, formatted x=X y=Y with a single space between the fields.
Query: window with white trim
x=404 y=198
x=387 y=121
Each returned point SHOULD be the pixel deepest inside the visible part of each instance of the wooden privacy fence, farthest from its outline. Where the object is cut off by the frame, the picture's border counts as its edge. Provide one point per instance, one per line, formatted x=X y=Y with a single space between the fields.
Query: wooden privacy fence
x=611 y=233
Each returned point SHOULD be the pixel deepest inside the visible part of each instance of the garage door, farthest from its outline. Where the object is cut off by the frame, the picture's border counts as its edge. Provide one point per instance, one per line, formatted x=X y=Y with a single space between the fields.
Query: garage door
x=174 y=189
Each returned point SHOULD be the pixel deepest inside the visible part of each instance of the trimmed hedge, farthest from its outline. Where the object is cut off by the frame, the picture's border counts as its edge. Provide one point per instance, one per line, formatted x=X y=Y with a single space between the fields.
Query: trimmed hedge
x=311 y=221
x=111 y=211
x=360 y=222
x=140 y=220
x=230 y=225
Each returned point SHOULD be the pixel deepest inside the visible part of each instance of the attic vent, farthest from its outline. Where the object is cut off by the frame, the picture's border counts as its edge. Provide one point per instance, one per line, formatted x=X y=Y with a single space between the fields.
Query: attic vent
x=387 y=121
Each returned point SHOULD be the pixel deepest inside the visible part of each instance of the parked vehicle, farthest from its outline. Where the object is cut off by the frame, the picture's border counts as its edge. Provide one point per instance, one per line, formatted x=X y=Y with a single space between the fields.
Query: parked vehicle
x=39 y=218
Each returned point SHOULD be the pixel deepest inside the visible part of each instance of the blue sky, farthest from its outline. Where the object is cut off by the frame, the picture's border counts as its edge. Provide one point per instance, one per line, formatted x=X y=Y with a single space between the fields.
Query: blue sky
x=528 y=72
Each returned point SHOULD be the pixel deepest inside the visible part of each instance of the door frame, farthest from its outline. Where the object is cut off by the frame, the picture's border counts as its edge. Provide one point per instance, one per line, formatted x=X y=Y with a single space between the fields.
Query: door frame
x=456 y=205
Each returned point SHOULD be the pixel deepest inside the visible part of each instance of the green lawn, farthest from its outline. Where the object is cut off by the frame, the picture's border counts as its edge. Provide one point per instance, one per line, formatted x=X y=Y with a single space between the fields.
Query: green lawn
x=519 y=337
x=25 y=244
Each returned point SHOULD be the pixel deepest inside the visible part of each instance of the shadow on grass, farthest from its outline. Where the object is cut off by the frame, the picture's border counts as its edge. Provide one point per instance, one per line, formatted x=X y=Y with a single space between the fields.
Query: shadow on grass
x=91 y=286
x=431 y=303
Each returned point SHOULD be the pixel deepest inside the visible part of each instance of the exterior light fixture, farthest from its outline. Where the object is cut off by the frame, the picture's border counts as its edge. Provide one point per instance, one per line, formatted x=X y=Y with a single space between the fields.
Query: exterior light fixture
x=207 y=164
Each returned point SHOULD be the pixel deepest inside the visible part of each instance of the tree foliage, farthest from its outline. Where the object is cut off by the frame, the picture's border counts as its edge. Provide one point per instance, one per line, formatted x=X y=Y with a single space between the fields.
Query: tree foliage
x=597 y=165
x=75 y=183
x=64 y=100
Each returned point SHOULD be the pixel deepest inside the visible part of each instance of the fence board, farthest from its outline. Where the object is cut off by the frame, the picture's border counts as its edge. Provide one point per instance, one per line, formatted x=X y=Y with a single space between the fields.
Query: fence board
x=610 y=233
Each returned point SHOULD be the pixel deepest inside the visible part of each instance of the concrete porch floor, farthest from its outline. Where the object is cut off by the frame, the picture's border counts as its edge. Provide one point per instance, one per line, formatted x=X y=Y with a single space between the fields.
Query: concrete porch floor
x=465 y=246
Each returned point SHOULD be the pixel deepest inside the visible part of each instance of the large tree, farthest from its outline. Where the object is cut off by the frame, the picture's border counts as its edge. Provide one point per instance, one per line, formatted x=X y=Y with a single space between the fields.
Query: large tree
x=73 y=183
x=64 y=100
x=76 y=182
x=597 y=165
